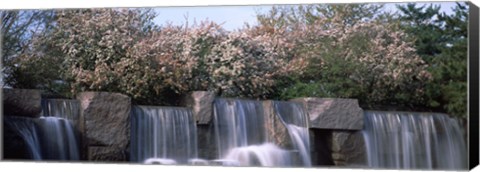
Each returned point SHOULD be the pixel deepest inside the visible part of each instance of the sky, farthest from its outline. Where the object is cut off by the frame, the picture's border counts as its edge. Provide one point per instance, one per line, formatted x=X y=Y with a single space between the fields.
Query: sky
x=234 y=17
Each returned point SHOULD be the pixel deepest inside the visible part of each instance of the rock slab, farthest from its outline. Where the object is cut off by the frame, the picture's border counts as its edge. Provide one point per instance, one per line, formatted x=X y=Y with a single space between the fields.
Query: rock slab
x=22 y=102
x=201 y=103
x=277 y=132
x=333 y=113
x=106 y=153
x=105 y=122
x=348 y=148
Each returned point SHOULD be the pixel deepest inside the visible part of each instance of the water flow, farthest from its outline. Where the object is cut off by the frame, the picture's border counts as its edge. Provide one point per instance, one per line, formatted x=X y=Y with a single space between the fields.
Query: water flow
x=294 y=116
x=164 y=135
x=57 y=132
x=238 y=123
x=266 y=154
x=58 y=139
x=407 y=140
x=61 y=108
x=27 y=130
x=52 y=136
x=241 y=135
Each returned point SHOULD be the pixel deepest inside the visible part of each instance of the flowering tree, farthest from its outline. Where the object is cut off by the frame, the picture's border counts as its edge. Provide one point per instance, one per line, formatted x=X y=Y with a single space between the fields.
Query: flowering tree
x=120 y=50
x=349 y=54
x=18 y=28
x=89 y=50
x=325 y=51
x=96 y=44
x=205 y=57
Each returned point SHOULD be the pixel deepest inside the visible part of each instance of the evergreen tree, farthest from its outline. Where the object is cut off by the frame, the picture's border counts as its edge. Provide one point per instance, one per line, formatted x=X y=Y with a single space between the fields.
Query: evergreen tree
x=441 y=40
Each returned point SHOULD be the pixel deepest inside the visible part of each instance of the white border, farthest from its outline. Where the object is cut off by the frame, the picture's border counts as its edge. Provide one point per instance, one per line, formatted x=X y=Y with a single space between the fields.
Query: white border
x=85 y=167
x=49 y=4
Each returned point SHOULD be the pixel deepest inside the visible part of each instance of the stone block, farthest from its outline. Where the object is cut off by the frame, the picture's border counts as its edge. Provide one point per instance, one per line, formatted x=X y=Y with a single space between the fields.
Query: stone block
x=276 y=130
x=106 y=153
x=201 y=103
x=332 y=113
x=348 y=147
x=105 y=125
x=22 y=102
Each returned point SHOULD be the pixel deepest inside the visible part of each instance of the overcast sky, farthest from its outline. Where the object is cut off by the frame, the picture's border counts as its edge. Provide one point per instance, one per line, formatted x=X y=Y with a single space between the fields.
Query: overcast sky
x=234 y=17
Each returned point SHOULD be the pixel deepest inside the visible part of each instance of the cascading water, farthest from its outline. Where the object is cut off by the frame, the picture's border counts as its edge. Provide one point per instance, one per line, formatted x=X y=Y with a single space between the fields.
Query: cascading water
x=407 y=140
x=294 y=116
x=58 y=140
x=50 y=137
x=266 y=154
x=57 y=129
x=241 y=135
x=61 y=108
x=163 y=135
x=27 y=130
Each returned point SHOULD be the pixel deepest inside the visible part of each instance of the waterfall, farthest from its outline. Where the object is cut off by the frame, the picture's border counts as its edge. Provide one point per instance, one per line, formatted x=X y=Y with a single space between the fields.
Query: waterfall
x=58 y=139
x=61 y=108
x=241 y=135
x=266 y=154
x=52 y=136
x=294 y=116
x=408 y=140
x=164 y=135
x=27 y=130
x=57 y=129
x=238 y=123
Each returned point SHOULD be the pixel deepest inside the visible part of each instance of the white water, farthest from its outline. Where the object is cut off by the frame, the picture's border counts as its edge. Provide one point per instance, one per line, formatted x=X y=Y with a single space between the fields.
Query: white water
x=160 y=161
x=61 y=108
x=295 y=118
x=238 y=123
x=57 y=129
x=410 y=140
x=161 y=133
x=241 y=135
x=300 y=139
x=28 y=131
x=224 y=162
x=58 y=139
x=267 y=154
x=52 y=136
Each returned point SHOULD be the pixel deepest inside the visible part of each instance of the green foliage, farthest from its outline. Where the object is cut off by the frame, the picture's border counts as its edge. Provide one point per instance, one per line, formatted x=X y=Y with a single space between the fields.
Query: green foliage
x=424 y=29
x=18 y=30
x=350 y=54
x=338 y=65
x=120 y=50
x=416 y=58
x=441 y=40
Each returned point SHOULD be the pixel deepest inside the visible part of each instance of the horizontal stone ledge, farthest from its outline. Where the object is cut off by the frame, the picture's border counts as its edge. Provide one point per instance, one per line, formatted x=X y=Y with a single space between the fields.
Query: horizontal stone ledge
x=333 y=113
x=22 y=102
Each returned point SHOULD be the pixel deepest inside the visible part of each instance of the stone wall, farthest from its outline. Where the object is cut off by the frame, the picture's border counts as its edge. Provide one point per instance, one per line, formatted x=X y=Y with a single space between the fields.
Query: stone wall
x=105 y=125
x=276 y=130
x=22 y=102
x=321 y=154
x=336 y=123
x=201 y=104
x=207 y=148
x=348 y=148
x=330 y=113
